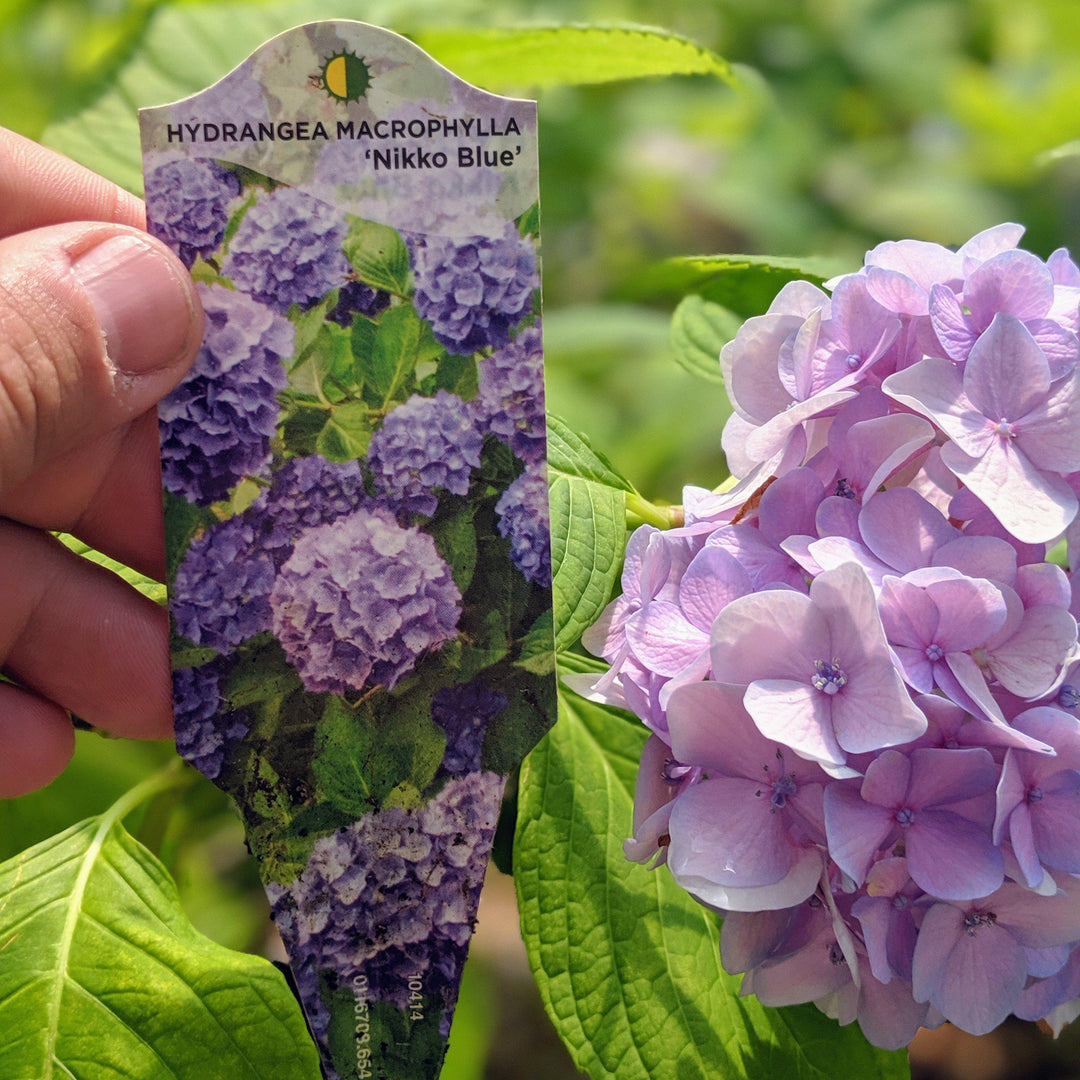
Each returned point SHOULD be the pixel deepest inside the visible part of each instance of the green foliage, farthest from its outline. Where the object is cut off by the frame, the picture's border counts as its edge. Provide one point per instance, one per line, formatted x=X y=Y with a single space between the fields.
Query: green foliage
x=378 y=255
x=699 y=330
x=502 y=58
x=746 y=284
x=627 y=963
x=103 y=975
x=588 y=531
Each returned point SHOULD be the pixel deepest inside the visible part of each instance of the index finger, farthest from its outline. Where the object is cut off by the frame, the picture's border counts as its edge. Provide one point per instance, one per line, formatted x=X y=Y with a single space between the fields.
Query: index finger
x=41 y=187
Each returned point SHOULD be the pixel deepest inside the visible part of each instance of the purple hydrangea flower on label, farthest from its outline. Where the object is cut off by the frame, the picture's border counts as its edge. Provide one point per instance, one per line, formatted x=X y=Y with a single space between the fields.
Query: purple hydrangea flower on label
x=425 y=446
x=392 y=896
x=464 y=713
x=287 y=249
x=217 y=424
x=207 y=731
x=304 y=492
x=511 y=400
x=523 y=519
x=474 y=291
x=360 y=601
x=191 y=205
x=818 y=674
x=221 y=595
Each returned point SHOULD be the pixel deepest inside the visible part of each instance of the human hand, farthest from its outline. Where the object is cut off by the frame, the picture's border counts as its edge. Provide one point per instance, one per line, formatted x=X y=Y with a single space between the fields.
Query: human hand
x=98 y=321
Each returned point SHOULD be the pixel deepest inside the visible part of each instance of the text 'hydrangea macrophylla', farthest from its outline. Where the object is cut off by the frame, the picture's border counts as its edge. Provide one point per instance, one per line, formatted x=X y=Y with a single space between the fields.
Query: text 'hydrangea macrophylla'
x=217 y=424
x=359 y=602
x=858 y=666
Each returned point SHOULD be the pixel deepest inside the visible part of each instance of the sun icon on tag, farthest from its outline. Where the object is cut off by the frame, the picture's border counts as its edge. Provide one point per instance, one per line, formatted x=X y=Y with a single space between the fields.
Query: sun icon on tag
x=345 y=77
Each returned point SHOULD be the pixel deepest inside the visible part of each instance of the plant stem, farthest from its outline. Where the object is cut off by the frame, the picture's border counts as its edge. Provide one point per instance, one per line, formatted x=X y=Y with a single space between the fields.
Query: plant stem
x=640 y=511
x=168 y=776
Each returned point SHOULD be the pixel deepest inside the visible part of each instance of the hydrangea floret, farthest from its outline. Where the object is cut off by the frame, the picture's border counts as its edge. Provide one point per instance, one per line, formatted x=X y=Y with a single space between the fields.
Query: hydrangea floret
x=360 y=601
x=216 y=426
x=858 y=663
x=425 y=446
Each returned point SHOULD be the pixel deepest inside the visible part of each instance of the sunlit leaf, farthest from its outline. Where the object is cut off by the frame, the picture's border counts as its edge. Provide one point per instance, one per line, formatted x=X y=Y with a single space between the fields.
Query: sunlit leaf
x=627 y=963
x=103 y=975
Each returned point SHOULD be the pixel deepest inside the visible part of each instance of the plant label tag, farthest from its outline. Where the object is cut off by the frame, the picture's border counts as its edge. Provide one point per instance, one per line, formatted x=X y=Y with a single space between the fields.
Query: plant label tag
x=356 y=504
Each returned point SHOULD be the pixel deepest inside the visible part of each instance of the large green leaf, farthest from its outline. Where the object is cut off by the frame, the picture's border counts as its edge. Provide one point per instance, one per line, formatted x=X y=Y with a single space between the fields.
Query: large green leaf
x=501 y=58
x=103 y=976
x=627 y=963
x=588 y=530
x=699 y=330
x=744 y=283
x=184 y=50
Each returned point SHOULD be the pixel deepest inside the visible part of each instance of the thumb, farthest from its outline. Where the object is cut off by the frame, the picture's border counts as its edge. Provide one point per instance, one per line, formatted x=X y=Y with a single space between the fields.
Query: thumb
x=97 y=323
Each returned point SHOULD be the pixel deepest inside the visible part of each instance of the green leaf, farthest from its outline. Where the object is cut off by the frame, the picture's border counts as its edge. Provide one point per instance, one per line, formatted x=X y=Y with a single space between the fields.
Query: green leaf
x=343 y=744
x=746 y=284
x=389 y=367
x=378 y=255
x=501 y=58
x=627 y=963
x=103 y=975
x=345 y=436
x=572 y=454
x=588 y=530
x=537 y=653
x=699 y=330
x=147 y=586
x=455 y=538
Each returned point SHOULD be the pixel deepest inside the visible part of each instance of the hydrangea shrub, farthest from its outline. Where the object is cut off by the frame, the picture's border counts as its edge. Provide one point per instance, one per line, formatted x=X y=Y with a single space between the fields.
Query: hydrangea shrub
x=854 y=660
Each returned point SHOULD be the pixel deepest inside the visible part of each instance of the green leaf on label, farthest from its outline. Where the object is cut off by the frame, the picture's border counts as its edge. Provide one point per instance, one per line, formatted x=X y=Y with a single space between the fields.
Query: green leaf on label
x=529 y=223
x=588 y=530
x=378 y=255
x=103 y=975
x=389 y=366
x=455 y=538
x=537 y=653
x=310 y=323
x=699 y=330
x=345 y=436
x=500 y=58
x=747 y=284
x=343 y=745
x=627 y=963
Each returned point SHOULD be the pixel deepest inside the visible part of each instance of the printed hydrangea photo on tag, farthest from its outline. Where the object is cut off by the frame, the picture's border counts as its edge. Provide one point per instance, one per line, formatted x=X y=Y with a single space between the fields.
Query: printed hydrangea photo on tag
x=356 y=504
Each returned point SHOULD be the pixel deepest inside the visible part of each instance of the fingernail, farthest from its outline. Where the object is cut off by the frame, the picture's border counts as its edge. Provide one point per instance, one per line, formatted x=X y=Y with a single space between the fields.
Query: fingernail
x=144 y=306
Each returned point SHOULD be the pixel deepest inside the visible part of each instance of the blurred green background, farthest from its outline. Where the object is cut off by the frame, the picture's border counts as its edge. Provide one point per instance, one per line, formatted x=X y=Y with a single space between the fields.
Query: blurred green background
x=859 y=121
